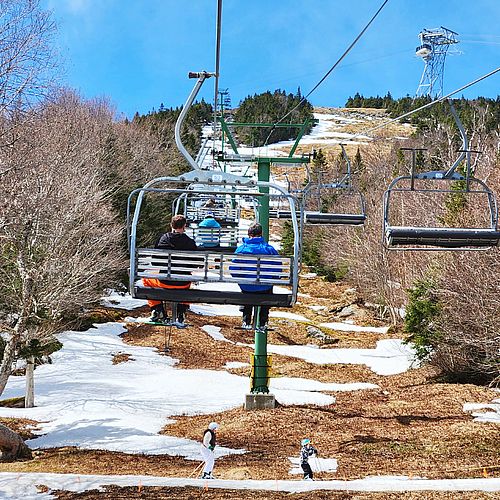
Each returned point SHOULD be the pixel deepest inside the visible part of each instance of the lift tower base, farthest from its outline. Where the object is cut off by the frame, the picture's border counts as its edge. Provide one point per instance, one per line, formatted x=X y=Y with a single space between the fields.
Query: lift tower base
x=258 y=401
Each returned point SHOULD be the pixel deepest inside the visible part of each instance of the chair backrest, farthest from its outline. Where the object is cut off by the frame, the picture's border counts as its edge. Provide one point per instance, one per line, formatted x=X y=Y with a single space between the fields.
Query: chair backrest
x=209 y=267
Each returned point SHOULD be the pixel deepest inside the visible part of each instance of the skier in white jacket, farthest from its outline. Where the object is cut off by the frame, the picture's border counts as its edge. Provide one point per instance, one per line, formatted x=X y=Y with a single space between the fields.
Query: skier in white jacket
x=207 y=449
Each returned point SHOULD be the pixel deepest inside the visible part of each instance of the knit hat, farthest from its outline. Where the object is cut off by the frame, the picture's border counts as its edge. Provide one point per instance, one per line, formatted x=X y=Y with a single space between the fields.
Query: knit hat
x=213 y=426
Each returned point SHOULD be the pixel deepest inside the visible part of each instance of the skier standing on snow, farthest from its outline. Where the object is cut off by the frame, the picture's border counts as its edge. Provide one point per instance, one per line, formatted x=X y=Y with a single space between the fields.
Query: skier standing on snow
x=306 y=451
x=207 y=450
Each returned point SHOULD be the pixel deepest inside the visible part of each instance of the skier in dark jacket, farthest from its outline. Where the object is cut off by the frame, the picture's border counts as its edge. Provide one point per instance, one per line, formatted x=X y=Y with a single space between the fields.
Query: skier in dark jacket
x=207 y=449
x=306 y=451
x=173 y=240
x=255 y=245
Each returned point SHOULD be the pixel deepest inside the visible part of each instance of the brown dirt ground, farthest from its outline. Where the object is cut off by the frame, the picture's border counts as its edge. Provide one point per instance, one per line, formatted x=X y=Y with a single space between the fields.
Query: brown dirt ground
x=190 y=493
x=411 y=425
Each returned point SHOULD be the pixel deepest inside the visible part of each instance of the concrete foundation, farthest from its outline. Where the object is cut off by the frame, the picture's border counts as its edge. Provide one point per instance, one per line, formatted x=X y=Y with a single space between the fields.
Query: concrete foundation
x=259 y=401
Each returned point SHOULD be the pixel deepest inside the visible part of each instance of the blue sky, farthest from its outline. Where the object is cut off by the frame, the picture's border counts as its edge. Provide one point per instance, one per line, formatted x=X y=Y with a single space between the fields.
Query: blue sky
x=138 y=52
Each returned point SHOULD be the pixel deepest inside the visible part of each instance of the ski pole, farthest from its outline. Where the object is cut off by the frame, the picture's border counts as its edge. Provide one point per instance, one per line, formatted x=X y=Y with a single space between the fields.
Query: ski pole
x=197 y=469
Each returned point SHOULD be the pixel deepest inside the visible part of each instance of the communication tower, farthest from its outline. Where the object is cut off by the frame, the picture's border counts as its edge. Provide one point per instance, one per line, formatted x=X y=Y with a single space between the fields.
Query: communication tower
x=434 y=45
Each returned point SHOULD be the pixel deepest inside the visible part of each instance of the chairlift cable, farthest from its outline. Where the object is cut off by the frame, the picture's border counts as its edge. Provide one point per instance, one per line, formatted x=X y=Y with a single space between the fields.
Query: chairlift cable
x=429 y=104
x=217 y=62
x=327 y=74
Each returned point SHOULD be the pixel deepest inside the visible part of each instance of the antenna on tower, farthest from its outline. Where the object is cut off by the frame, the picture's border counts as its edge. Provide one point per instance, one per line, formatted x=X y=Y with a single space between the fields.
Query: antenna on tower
x=434 y=45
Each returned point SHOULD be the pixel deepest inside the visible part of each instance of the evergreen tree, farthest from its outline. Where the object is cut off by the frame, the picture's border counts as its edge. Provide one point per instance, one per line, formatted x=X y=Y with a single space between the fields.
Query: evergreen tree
x=357 y=164
x=270 y=108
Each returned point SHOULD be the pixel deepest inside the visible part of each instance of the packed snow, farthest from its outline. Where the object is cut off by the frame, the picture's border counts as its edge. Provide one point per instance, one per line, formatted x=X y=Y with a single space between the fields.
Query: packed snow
x=24 y=485
x=487 y=412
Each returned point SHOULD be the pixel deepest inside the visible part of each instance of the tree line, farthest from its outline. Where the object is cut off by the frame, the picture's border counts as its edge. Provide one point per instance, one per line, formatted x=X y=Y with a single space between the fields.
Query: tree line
x=270 y=107
x=432 y=117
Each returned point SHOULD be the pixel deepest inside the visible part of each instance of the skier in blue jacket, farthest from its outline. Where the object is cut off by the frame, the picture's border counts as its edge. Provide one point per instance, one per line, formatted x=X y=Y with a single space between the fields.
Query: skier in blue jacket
x=307 y=450
x=210 y=233
x=256 y=245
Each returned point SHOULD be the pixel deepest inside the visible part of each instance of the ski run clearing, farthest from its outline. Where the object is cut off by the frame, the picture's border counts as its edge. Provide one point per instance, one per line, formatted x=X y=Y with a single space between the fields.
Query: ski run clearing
x=85 y=400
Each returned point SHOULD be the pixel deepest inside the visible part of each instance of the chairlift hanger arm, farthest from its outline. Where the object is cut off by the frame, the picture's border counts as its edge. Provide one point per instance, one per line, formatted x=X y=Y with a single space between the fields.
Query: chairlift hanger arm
x=347 y=177
x=465 y=145
x=202 y=76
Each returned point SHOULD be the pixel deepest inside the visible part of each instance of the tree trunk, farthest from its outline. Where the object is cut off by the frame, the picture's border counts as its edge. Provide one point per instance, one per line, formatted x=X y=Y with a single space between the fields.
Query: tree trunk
x=6 y=366
x=29 y=398
x=12 y=445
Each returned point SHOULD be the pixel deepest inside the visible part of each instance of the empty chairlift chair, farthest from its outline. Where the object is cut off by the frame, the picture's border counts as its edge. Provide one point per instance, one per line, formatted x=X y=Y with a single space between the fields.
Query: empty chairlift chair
x=337 y=203
x=410 y=201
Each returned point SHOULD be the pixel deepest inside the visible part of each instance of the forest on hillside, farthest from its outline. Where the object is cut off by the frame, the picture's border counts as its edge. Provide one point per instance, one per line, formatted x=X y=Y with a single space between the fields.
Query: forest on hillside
x=436 y=115
x=272 y=107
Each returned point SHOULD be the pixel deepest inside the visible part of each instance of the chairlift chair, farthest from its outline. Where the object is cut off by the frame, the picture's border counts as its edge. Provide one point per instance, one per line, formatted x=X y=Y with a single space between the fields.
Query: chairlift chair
x=438 y=185
x=321 y=201
x=280 y=208
x=225 y=207
x=215 y=275
x=196 y=208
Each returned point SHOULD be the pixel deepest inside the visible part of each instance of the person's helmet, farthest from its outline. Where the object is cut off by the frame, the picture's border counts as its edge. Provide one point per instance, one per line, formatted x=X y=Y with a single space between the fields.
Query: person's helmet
x=213 y=426
x=305 y=441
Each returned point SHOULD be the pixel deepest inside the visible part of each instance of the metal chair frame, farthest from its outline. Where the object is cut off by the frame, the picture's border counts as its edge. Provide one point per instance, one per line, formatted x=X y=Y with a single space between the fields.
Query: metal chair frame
x=289 y=267
x=441 y=238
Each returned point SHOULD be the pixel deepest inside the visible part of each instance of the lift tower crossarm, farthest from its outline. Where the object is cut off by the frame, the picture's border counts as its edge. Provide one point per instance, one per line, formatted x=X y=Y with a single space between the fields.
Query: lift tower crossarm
x=301 y=126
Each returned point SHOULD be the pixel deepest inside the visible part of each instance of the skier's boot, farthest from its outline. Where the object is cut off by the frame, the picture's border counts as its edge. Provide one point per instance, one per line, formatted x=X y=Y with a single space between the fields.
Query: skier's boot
x=157 y=314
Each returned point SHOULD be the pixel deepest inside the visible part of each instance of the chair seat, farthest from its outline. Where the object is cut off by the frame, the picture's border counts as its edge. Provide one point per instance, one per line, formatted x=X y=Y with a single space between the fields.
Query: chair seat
x=325 y=218
x=442 y=237
x=195 y=295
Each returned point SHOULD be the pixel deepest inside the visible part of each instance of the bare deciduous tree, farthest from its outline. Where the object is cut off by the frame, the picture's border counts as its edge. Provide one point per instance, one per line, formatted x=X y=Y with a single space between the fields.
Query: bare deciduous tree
x=60 y=240
x=26 y=54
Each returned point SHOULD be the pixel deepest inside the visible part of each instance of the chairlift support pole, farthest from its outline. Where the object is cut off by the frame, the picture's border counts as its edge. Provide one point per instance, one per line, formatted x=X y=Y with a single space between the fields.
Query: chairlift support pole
x=264 y=175
x=260 y=368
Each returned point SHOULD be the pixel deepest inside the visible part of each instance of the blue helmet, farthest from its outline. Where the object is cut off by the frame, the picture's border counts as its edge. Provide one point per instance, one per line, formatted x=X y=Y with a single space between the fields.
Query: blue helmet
x=305 y=441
